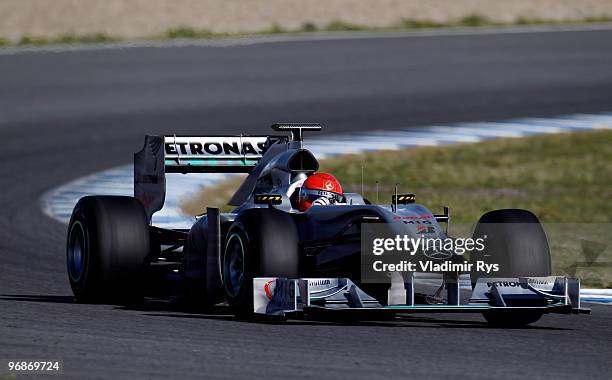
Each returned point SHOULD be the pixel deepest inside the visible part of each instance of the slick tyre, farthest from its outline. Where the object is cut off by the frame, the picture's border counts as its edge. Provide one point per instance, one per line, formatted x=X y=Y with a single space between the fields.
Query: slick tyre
x=107 y=249
x=516 y=241
x=260 y=243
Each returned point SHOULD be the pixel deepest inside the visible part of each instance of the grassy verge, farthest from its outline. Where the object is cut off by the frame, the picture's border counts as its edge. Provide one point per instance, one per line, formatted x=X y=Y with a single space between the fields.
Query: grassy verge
x=308 y=27
x=63 y=39
x=566 y=179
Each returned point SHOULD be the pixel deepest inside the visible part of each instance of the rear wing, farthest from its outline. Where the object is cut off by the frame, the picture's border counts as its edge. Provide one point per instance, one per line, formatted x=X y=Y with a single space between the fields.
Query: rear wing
x=192 y=154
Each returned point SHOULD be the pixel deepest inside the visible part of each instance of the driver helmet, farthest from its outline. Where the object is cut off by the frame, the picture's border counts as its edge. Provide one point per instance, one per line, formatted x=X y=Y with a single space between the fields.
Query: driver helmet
x=319 y=189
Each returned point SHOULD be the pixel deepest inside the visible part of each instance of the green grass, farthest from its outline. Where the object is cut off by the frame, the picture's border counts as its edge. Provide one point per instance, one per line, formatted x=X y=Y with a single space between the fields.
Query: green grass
x=468 y=21
x=84 y=39
x=28 y=40
x=184 y=32
x=565 y=179
x=421 y=24
x=340 y=26
x=474 y=21
x=67 y=39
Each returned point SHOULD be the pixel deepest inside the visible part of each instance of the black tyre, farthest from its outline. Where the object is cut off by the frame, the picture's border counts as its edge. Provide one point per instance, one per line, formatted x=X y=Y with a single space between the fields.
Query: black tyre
x=516 y=241
x=260 y=243
x=107 y=249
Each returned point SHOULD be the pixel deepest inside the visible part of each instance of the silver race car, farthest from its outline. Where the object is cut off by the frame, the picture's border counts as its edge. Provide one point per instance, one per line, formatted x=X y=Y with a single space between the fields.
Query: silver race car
x=289 y=249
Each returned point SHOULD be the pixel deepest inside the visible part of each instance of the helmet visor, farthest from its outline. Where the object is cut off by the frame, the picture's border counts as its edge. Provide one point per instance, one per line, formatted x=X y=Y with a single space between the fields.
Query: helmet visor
x=312 y=195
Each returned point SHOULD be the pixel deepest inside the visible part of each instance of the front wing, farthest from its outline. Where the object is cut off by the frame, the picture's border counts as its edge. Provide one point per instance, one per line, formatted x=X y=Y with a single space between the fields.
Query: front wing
x=282 y=297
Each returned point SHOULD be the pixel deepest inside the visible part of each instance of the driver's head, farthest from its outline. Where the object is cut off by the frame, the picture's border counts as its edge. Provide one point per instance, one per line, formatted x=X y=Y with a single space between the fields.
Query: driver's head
x=319 y=188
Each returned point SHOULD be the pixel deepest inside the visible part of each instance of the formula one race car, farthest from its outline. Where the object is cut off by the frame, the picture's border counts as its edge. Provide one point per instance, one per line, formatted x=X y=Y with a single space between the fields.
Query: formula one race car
x=291 y=250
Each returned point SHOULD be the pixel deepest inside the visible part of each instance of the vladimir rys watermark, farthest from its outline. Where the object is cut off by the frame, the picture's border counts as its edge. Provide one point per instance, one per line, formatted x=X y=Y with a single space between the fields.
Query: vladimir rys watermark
x=387 y=249
x=434 y=254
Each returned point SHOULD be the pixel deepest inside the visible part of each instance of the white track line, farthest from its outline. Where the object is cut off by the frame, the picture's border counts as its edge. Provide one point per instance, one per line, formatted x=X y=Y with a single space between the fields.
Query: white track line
x=473 y=129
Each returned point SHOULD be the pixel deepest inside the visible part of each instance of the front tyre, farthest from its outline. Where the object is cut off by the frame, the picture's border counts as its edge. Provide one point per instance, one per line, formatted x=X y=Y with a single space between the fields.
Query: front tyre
x=260 y=243
x=516 y=241
x=107 y=248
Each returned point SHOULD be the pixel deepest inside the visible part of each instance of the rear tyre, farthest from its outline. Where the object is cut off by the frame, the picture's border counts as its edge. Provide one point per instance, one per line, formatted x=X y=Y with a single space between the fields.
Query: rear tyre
x=515 y=240
x=107 y=249
x=260 y=243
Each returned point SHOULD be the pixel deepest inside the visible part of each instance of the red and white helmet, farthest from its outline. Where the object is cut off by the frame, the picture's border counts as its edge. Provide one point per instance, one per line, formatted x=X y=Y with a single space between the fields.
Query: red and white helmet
x=319 y=188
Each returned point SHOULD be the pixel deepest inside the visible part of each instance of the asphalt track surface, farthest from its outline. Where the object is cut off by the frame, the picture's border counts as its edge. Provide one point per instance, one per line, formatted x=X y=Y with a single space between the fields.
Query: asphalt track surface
x=64 y=115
